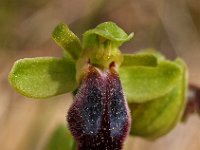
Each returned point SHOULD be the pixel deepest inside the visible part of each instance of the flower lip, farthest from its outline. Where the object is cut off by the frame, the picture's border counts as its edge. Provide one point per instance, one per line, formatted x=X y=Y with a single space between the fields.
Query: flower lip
x=99 y=117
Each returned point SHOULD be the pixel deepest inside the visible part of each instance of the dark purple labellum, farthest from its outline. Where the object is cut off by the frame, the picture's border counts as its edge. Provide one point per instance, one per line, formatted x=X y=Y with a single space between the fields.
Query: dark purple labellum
x=99 y=118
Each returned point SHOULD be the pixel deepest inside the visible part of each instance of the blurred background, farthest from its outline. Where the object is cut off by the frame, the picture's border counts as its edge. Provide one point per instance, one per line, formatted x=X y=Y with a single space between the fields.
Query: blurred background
x=172 y=27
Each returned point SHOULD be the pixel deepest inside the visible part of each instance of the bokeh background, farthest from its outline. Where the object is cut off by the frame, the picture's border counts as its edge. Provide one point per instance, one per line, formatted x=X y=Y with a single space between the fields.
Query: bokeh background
x=172 y=27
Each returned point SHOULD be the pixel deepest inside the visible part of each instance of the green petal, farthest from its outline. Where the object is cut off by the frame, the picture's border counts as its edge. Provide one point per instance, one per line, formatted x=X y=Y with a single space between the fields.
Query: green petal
x=157 y=54
x=157 y=117
x=67 y=40
x=61 y=139
x=139 y=59
x=43 y=77
x=142 y=83
x=106 y=30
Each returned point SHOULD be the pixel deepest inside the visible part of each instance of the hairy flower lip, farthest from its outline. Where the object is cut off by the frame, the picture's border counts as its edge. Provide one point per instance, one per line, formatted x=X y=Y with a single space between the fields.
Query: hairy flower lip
x=99 y=117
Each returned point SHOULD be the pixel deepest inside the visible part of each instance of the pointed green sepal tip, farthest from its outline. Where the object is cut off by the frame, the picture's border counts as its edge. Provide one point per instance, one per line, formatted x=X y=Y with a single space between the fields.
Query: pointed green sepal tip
x=66 y=39
x=43 y=77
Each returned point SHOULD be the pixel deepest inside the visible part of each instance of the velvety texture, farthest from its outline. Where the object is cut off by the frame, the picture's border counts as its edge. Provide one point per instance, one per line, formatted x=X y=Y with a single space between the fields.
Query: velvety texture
x=99 y=117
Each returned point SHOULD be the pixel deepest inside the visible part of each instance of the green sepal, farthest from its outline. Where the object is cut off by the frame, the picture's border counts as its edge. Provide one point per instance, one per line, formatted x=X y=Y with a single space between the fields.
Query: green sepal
x=67 y=40
x=157 y=117
x=106 y=30
x=61 y=139
x=139 y=59
x=43 y=77
x=142 y=83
